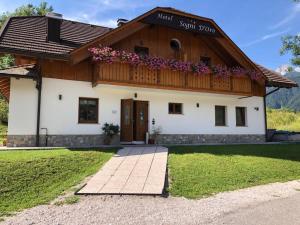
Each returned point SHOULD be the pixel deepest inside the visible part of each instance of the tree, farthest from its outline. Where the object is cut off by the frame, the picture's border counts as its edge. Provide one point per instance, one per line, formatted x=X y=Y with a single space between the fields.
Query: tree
x=291 y=43
x=27 y=10
x=24 y=10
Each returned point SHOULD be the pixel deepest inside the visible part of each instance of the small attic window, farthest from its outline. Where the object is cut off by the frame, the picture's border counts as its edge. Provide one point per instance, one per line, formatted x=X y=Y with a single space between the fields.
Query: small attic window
x=175 y=44
x=206 y=60
x=141 y=51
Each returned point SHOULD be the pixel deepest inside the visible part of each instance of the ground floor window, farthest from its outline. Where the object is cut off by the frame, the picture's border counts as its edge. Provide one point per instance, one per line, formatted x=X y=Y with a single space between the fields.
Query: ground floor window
x=240 y=116
x=175 y=108
x=220 y=115
x=88 y=110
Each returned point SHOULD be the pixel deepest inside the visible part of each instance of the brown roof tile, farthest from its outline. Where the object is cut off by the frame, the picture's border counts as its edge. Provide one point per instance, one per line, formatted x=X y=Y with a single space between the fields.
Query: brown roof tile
x=275 y=79
x=28 y=35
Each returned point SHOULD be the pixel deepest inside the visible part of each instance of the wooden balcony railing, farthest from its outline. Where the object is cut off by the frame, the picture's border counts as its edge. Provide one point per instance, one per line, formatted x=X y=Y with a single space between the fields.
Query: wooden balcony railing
x=126 y=74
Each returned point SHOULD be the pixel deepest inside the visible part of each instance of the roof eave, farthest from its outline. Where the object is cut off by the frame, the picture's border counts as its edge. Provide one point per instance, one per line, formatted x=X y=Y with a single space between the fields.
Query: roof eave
x=281 y=84
x=35 y=54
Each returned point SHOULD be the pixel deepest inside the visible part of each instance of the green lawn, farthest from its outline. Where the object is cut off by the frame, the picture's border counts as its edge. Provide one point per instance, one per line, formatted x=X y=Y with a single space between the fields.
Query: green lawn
x=30 y=178
x=199 y=171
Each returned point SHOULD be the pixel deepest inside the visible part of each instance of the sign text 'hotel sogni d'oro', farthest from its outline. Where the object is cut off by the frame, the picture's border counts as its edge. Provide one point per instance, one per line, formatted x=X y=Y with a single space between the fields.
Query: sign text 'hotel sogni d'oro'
x=182 y=23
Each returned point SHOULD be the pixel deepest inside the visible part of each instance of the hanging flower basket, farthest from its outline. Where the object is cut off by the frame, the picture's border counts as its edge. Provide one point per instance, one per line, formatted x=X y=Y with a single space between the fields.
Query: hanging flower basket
x=108 y=55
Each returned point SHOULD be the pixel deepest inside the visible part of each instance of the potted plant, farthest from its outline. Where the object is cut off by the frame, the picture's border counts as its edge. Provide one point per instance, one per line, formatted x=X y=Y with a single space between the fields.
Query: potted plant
x=156 y=131
x=109 y=131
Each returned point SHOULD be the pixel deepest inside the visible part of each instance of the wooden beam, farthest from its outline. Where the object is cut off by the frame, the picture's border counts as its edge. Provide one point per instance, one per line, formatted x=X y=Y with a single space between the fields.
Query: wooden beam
x=219 y=50
x=83 y=53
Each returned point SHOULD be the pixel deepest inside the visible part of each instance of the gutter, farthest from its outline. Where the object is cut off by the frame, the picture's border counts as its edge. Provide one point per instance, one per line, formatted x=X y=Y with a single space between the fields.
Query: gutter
x=265 y=111
x=39 y=82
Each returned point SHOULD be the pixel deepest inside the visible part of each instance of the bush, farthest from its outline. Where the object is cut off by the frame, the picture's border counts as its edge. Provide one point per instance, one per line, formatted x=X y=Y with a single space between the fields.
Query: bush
x=110 y=130
x=3 y=111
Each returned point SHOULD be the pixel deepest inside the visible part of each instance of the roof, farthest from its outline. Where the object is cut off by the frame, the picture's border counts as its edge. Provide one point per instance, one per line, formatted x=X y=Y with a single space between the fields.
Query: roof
x=22 y=71
x=28 y=36
x=28 y=71
x=229 y=45
x=275 y=79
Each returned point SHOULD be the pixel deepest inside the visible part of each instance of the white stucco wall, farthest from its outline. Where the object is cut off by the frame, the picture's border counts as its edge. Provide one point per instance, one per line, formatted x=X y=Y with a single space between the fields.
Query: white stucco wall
x=61 y=116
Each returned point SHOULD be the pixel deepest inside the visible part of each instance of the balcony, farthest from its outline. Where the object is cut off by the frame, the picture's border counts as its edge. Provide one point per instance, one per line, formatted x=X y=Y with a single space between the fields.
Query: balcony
x=124 y=74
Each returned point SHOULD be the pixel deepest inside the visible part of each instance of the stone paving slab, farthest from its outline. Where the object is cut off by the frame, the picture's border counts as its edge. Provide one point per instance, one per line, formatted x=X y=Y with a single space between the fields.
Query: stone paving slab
x=133 y=170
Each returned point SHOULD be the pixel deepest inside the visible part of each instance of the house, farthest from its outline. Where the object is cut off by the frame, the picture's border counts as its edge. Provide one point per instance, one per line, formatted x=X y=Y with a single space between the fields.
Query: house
x=165 y=69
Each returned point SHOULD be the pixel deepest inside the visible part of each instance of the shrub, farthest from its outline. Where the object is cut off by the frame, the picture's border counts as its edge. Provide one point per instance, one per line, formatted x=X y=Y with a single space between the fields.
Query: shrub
x=3 y=111
x=110 y=130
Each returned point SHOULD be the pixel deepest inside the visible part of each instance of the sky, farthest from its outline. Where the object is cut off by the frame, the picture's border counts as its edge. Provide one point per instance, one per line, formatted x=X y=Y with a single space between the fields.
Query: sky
x=256 y=26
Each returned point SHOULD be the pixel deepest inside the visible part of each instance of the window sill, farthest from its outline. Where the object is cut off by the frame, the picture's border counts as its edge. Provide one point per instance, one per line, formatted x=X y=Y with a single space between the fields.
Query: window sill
x=87 y=123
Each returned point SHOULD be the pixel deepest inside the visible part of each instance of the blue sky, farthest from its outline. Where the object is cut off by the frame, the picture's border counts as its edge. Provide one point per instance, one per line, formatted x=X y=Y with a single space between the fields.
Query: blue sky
x=256 y=26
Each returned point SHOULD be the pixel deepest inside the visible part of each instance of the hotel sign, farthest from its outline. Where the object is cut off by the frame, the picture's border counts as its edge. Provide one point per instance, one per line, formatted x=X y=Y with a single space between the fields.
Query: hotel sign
x=182 y=23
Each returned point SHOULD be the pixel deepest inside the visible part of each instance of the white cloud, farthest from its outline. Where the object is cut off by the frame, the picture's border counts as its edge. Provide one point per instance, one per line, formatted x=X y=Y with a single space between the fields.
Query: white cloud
x=295 y=11
x=283 y=69
x=265 y=37
x=93 y=11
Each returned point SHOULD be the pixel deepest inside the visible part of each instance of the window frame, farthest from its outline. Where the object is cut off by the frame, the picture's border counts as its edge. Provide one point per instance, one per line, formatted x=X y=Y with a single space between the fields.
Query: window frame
x=245 y=116
x=97 y=114
x=206 y=60
x=225 y=116
x=173 y=108
x=138 y=47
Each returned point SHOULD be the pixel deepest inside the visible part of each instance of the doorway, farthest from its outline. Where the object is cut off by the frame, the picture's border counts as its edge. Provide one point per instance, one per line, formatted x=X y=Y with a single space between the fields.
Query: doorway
x=134 y=120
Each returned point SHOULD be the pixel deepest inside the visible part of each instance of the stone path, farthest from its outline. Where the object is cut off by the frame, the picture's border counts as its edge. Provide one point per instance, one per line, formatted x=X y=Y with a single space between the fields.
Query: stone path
x=133 y=170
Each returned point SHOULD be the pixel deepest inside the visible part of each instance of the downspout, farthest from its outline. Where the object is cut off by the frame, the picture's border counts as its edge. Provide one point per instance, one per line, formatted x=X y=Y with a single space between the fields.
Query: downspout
x=38 y=118
x=265 y=111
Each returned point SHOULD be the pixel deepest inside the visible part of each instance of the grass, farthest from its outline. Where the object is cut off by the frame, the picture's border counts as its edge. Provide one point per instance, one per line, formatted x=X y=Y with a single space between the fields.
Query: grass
x=68 y=200
x=30 y=178
x=199 y=171
x=3 y=132
x=282 y=119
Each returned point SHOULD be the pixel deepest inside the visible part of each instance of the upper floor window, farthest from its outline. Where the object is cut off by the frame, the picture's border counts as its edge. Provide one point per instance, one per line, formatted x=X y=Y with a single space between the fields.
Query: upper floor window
x=175 y=44
x=175 y=108
x=88 y=110
x=240 y=116
x=141 y=51
x=206 y=60
x=220 y=115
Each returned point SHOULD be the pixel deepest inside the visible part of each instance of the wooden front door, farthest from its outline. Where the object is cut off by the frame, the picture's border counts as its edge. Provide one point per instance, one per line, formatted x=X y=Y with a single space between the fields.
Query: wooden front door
x=134 y=120
x=140 y=120
x=127 y=120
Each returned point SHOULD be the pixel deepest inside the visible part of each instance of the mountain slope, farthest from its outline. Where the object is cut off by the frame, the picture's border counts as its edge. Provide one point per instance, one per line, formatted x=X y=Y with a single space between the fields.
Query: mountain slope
x=286 y=98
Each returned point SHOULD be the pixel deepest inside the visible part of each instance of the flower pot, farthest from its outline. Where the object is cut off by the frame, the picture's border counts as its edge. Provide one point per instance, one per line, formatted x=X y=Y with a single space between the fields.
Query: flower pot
x=107 y=140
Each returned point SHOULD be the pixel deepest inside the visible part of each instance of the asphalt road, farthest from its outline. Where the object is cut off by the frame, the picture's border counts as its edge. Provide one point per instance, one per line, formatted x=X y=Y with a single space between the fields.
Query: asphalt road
x=284 y=211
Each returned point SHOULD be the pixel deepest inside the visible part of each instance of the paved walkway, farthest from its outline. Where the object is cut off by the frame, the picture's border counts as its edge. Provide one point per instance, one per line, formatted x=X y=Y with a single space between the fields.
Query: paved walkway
x=133 y=170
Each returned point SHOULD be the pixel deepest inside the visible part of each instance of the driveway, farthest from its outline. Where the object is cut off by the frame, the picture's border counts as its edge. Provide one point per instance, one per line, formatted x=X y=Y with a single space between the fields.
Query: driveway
x=133 y=170
x=262 y=205
x=284 y=211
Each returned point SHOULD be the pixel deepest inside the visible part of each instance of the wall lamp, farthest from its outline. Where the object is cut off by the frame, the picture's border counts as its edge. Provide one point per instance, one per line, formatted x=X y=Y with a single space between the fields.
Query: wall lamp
x=256 y=108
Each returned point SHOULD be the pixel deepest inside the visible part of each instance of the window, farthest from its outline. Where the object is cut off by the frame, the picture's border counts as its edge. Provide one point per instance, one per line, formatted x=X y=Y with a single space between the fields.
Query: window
x=88 y=110
x=175 y=44
x=240 y=116
x=220 y=115
x=205 y=60
x=141 y=51
x=175 y=108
